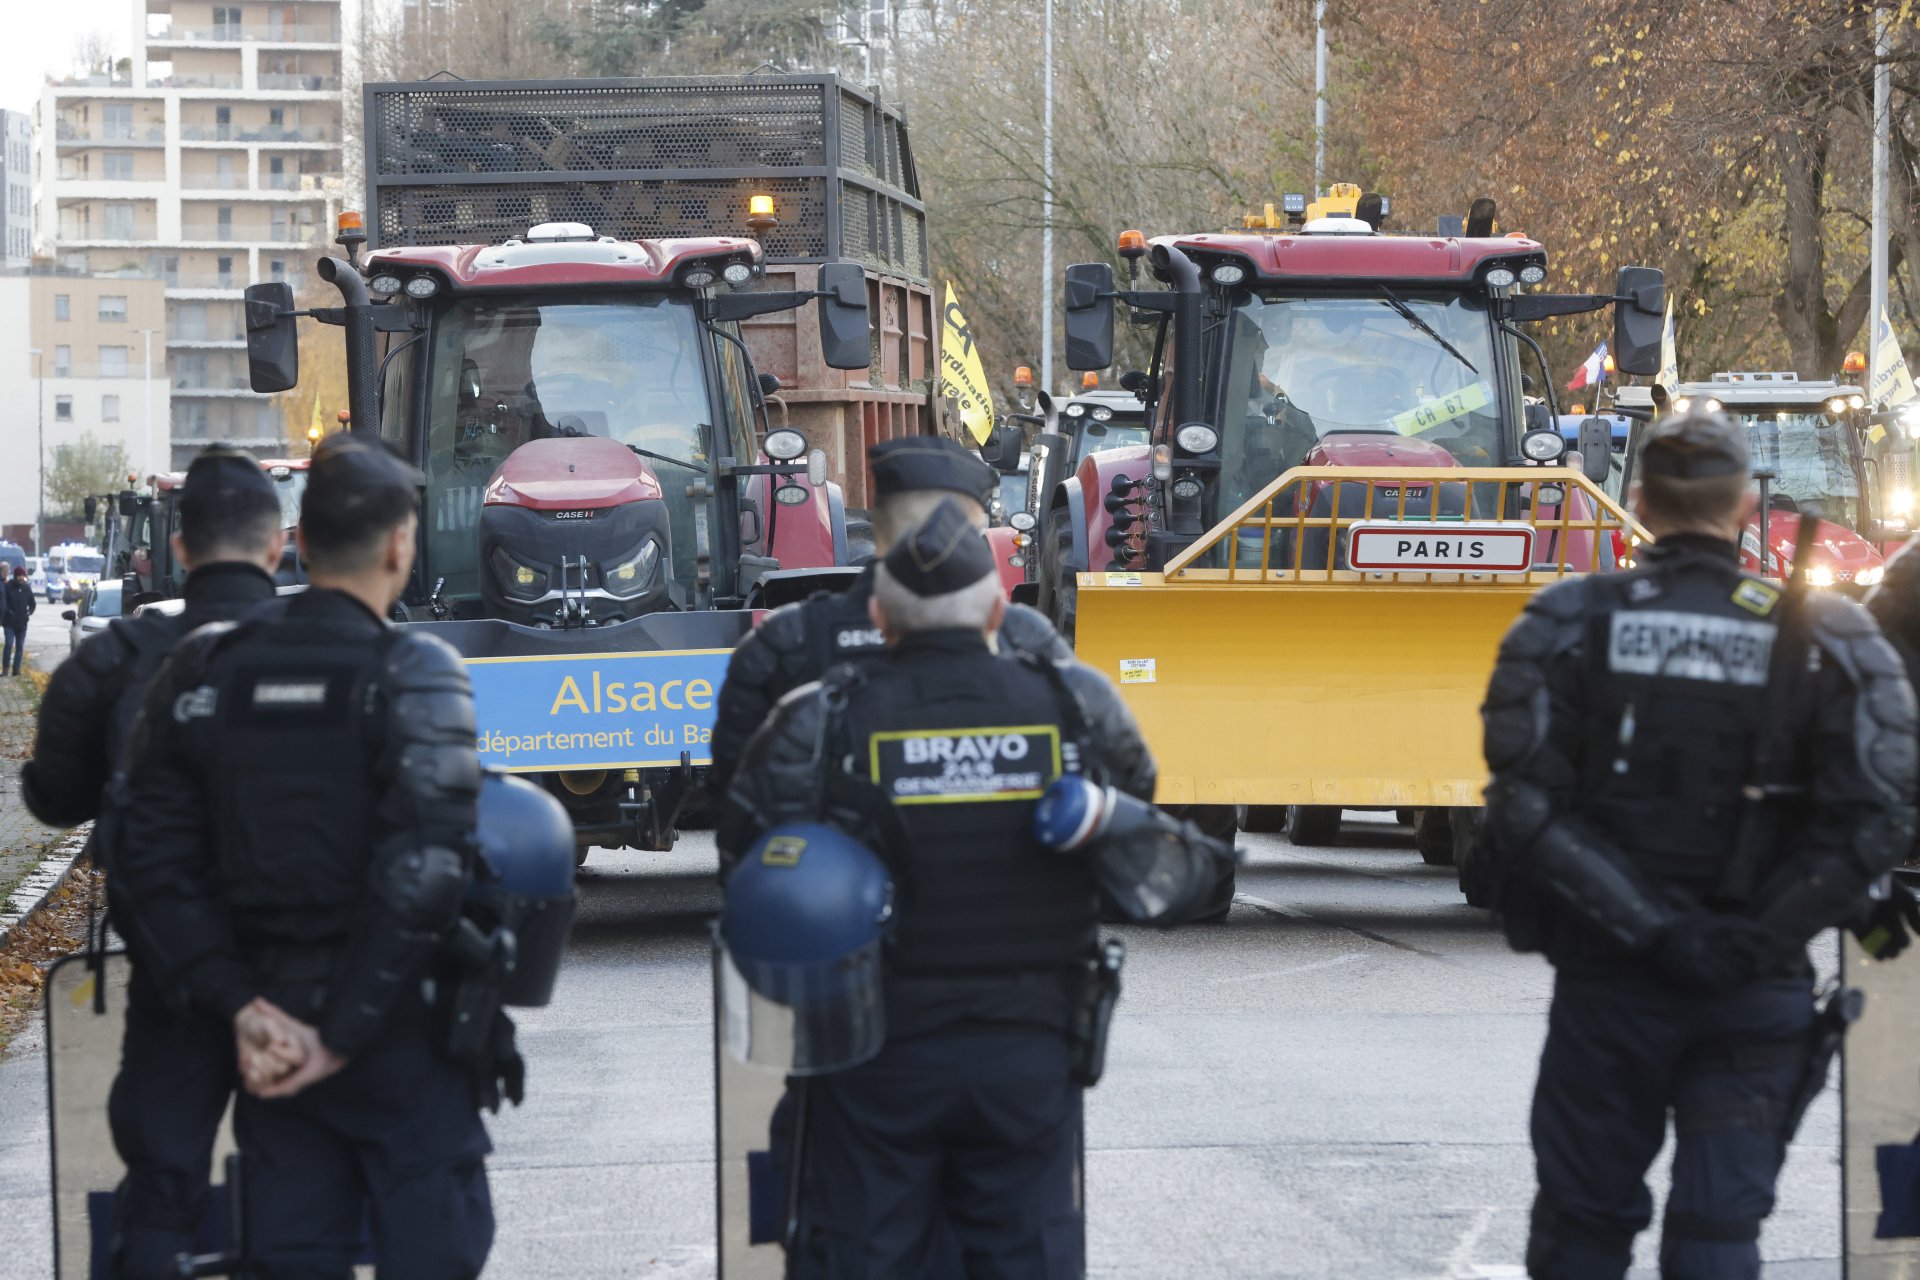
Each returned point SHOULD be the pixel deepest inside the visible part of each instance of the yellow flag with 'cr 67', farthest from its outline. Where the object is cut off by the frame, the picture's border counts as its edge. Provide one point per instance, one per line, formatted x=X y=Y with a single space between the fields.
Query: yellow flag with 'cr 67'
x=962 y=373
x=1890 y=384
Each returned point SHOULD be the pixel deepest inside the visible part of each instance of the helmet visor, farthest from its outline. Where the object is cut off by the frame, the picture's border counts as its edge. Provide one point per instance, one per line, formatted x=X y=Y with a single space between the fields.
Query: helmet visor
x=802 y=1019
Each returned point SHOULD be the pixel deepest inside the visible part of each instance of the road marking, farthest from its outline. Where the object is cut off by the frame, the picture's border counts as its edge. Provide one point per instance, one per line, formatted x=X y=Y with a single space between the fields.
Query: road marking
x=1247 y=899
x=1348 y=958
x=1296 y=913
x=1458 y=1268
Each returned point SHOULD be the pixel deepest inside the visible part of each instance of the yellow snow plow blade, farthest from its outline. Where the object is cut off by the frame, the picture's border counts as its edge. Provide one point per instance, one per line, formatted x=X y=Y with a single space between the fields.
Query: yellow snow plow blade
x=1265 y=669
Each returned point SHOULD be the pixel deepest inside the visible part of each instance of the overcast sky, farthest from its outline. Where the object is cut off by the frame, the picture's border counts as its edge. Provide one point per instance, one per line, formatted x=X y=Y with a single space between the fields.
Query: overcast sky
x=40 y=36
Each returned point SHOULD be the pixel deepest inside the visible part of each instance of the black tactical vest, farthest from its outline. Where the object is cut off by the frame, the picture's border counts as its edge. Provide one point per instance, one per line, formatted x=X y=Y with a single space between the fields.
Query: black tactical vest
x=1677 y=660
x=292 y=755
x=839 y=628
x=962 y=744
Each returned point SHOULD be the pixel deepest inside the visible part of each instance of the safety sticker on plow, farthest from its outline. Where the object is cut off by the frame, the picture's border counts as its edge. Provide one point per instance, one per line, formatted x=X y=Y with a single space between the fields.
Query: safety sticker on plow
x=1136 y=671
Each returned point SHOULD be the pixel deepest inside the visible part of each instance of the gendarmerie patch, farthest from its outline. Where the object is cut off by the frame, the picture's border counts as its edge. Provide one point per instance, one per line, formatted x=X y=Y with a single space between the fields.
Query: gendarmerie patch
x=958 y=766
x=1690 y=646
x=291 y=695
x=858 y=639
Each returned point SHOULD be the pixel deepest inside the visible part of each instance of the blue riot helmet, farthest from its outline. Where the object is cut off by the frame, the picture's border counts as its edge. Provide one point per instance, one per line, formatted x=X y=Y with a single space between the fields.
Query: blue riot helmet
x=525 y=882
x=802 y=922
x=1140 y=851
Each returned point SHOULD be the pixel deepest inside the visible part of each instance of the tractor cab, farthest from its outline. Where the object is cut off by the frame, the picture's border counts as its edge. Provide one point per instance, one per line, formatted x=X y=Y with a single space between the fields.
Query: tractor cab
x=1810 y=446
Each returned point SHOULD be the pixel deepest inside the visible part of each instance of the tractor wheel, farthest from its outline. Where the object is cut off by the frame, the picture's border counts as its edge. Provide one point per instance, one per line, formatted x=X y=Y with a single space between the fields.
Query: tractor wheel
x=1059 y=593
x=1469 y=860
x=1261 y=819
x=580 y=854
x=1313 y=825
x=1403 y=816
x=1433 y=836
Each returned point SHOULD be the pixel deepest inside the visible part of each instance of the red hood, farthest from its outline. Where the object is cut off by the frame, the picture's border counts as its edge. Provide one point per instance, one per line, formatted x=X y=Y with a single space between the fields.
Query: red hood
x=1834 y=546
x=1377 y=451
x=572 y=473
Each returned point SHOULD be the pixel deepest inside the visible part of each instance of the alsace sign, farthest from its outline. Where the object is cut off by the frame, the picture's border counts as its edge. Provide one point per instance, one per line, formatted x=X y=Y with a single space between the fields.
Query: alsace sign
x=1397 y=546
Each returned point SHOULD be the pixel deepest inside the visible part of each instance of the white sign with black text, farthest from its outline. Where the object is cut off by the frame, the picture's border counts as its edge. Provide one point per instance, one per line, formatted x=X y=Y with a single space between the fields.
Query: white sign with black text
x=1394 y=546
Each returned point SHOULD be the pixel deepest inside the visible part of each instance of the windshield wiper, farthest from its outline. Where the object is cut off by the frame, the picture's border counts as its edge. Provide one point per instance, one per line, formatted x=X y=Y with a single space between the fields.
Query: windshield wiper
x=1407 y=314
x=661 y=457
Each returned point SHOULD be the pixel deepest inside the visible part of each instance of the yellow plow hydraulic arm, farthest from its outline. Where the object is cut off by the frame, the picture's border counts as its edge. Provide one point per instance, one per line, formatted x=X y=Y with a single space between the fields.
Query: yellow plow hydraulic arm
x=1266 y=669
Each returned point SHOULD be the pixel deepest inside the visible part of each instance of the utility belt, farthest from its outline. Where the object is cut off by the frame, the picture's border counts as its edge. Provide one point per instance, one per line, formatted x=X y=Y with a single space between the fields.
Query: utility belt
x=474 y=1029
x=1093 y=1013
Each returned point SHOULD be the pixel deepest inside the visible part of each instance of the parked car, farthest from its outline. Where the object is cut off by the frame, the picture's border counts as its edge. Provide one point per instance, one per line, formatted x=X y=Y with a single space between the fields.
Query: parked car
x=98 y=605
x=37 y=576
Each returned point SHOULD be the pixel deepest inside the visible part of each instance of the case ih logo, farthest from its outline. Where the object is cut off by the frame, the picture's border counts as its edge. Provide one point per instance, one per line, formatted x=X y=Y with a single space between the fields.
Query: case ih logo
x=575 y=515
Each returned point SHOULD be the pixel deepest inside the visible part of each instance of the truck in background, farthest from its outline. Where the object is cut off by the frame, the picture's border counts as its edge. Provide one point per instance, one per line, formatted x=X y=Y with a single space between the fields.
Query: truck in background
x=587 y=318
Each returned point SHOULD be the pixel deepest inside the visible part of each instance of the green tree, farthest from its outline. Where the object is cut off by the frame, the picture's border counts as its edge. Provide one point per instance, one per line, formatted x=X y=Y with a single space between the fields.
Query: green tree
x=81 y=470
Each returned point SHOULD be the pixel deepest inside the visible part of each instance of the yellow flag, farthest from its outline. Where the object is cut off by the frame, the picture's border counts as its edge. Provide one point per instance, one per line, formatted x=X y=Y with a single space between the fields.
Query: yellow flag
x=962 y=374
x=1891 y=383
x=316 y=428
x=1669 y=375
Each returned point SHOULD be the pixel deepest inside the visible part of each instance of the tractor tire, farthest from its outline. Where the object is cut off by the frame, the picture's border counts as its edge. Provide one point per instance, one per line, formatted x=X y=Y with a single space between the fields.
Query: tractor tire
x=1261 y=819
x=1433 y=836
x=1469 y=858
x=1313 y=825
x=1218 y=821
x=1403 y=816
x=1059 y=593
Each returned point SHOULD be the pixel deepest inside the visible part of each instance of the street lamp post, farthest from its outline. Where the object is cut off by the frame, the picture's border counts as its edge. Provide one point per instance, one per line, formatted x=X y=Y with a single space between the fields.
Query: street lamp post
x=1046 y=207
x=40 y=403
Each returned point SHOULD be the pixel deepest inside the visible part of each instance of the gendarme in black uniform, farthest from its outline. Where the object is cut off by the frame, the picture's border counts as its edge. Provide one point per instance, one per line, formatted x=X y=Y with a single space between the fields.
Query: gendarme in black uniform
x=176 y=1065
x=305 y=783
x=798 y=643
x=965 y=1129
x=1622 y=723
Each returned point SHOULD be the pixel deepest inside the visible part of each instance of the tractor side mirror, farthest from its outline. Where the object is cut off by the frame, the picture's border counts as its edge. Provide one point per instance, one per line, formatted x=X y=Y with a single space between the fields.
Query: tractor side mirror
x=90 y=509
x=1002 y=448
x=129 y=503
x=1639 y=319
x=1089 y=316
x=1596 y=449
x=273 y=343
x=845 y=341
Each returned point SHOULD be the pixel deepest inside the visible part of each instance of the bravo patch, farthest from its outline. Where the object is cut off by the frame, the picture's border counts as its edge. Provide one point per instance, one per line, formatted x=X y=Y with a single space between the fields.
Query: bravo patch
x=955 y=766
x=1756 y=597
x=783 y=851
x=1690 y=646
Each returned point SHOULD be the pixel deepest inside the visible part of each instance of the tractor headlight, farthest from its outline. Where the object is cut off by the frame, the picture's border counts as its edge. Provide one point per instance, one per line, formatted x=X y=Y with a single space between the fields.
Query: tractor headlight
x=1870 y=576
x=518 y=581
x=1101 y=413
x=1543 y=446
x=422 y=287
x=1196 y=437
x=1075 y=410
x=737 y=273
x=632 y=574
x=1532 y=273
x=1500 y=277
x=1229 y=274
x=1819 y=576
x=384 y=286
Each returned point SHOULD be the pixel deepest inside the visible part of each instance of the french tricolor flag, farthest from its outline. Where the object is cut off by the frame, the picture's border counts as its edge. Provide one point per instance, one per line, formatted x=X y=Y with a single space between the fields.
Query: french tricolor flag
x=1588 y=374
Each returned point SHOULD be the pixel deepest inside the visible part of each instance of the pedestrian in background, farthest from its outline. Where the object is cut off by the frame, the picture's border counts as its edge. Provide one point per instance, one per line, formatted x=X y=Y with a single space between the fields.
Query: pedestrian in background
x=1631 y=719
x=16 y=606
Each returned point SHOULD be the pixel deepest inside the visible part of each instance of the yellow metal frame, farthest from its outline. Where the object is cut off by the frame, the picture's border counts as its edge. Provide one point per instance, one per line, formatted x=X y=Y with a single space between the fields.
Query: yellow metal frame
x=1288 y=684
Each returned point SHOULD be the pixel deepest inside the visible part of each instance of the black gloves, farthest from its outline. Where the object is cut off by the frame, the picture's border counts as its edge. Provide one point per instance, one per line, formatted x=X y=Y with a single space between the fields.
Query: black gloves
x=1709 y=951
x=1888 y=924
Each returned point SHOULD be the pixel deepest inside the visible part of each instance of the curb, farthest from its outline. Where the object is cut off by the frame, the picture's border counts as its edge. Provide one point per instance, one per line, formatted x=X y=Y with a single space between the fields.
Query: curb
x=41 y=883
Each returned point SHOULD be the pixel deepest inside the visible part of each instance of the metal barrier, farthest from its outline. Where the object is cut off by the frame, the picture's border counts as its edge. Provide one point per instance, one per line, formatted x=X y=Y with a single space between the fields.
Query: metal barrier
x=1535 y=526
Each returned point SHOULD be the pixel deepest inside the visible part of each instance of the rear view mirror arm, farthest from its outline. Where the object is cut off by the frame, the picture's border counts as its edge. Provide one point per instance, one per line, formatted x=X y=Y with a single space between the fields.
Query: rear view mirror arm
x=1553 y=405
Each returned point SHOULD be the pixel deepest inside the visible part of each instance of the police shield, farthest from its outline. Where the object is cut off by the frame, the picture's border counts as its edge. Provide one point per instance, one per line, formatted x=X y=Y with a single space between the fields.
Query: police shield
x=85 y=1010
x=86 y=1003
x=1880 y=1117
x=758 y=1127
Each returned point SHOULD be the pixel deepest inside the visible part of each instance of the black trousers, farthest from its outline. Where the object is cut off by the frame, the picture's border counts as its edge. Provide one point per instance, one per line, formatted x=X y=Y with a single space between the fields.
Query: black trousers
x=176 y=1074
x=952 y=1154
x=393 y=1143
x=1621 y=1054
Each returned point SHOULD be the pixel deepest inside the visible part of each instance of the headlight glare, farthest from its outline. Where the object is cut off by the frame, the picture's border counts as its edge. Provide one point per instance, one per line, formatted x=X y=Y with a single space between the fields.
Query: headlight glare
x=1870 y=576
x=633 y=574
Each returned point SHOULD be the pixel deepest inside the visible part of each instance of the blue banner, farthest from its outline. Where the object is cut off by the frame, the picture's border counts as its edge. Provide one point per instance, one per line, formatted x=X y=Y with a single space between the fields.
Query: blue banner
x=597 y=710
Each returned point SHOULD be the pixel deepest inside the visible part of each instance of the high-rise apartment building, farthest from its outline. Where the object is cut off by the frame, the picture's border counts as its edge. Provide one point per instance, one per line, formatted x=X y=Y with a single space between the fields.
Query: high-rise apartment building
x=209 y=158
x=16 y=188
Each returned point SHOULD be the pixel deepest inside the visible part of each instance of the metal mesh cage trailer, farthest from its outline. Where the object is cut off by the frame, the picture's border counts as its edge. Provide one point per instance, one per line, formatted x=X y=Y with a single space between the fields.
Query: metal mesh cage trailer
x=453 y=162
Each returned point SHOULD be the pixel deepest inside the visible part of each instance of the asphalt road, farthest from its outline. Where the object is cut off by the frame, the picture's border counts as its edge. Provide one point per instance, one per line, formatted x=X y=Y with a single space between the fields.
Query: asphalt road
x=1332 y=1083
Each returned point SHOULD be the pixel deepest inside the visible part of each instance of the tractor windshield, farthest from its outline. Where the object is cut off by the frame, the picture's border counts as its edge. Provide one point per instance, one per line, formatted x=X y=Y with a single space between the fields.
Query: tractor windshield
x=1303 y=368
x=1815 y=460
x=1096 y=437
x=511 y=370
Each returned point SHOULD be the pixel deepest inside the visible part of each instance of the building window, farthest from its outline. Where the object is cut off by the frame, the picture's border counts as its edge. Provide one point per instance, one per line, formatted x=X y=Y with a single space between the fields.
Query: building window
x=113 y=362
x=62 y=360
x=113 y=306
x=223 y=215
x=117 y=121
x=63 y=408
x=119 y=220
x=109 y=408
x=190 y=320
x=226 y=23
x=62 y=307
x=117 y=166
x=225 y=268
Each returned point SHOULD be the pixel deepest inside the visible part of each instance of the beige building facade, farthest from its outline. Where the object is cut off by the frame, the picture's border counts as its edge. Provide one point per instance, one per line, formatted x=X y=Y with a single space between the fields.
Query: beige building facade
x=211 y=160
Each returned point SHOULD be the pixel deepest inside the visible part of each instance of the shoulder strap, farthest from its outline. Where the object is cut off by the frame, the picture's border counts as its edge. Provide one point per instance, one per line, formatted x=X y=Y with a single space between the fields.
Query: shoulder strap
x=1080 y=752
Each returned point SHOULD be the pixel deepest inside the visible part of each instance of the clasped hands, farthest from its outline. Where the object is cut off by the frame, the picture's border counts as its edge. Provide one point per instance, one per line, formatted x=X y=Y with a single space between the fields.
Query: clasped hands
x=279 y=1055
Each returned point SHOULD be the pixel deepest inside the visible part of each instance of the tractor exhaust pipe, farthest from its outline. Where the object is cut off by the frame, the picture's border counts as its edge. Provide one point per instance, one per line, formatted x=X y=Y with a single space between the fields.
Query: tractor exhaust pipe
x=363 y=393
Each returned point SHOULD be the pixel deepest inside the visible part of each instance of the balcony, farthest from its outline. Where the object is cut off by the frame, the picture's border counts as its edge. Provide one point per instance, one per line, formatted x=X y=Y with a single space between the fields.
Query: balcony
x=249 y=233
x=85 y=233
x=259 y=133
x=276 y=33
x=213 y=182
x=232 y=341
x=211 y=382
x=300 y=82
x=135 y=370
x=119 y=135
x=214 y=281
x=196 y=80
x=71 y=173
